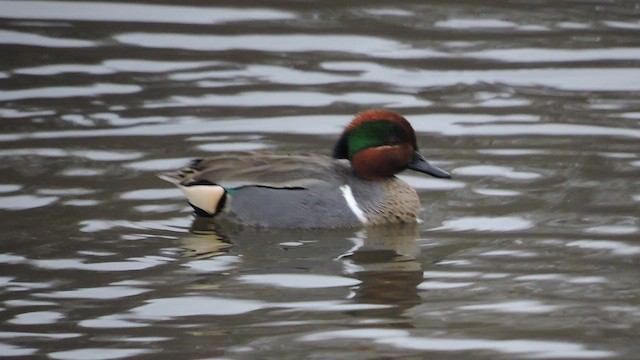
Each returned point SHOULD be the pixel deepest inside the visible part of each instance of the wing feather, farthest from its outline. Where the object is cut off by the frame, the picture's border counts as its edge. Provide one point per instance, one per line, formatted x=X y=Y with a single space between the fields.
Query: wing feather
x=238 y=169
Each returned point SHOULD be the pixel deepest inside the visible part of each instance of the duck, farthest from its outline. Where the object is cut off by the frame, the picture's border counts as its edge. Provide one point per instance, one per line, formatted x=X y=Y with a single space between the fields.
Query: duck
x=355 y=187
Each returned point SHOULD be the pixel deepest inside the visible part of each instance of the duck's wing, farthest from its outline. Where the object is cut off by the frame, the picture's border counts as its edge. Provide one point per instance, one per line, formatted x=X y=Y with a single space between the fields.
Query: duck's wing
x=237 y=169
x=268 y=189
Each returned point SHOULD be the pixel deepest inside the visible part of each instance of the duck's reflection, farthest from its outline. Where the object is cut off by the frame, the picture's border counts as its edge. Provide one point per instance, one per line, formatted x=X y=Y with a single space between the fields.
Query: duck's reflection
x=386 y=260
x=204 y=241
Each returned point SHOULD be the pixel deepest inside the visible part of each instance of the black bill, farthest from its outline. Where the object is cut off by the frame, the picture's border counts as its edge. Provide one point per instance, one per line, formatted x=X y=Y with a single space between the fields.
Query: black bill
x=419 y=163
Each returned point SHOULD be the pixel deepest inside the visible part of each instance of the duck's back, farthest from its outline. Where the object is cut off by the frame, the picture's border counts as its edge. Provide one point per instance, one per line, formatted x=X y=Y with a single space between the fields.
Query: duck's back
x=237 y=169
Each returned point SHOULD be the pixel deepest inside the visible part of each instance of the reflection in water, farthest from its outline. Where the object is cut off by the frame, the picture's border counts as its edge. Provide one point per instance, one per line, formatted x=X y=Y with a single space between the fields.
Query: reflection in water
x=385 y=260
x=205 y=241
x=380 y=268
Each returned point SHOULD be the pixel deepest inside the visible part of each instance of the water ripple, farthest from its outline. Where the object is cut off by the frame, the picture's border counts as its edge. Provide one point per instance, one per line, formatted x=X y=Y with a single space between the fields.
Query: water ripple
x=106 y=292
x=109 y=266
x=300 y=281
x=445 y=124
x=615 y=247
x=571 y=79
x=23 y=38
x=516 y=306
x=113 y=66
x=291 y=98
x=354 y=44
x=537 y=55
x=37 y=318
x=104 y=11
x=69 y=91
x=167 y=308
x=23 y=202
x=97 y=353
x=493 y=170
x=485 y=223
x=403 y=339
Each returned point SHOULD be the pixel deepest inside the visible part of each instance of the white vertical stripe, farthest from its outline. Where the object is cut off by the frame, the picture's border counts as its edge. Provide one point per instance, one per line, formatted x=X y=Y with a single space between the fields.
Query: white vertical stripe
x=352 y=203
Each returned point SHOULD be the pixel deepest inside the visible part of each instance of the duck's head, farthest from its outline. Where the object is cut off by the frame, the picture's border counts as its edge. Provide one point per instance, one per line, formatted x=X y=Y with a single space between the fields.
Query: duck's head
x=380 y=143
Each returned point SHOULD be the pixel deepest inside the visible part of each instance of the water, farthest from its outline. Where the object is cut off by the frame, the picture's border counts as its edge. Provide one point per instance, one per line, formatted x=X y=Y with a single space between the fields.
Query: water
x=531 y=251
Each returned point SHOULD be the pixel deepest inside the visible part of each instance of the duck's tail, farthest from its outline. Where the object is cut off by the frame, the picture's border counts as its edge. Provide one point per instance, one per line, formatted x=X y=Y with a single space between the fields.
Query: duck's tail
x=177 y=176
x=170 y=176
x=206 y=198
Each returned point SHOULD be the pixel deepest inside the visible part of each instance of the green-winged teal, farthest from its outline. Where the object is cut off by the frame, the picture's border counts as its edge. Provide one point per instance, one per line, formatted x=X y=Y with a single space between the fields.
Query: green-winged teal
x=356 y=187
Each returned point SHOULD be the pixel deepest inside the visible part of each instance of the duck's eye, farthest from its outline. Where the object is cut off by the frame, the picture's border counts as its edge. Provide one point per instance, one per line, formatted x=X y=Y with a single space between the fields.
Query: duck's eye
x=393 y=140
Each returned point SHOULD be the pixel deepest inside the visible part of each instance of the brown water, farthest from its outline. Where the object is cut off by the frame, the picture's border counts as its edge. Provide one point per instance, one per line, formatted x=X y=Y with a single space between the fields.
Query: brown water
x=531 y=251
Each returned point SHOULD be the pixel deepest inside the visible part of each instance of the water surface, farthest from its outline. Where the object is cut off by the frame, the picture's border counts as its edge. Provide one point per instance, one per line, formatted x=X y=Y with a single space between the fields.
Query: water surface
x=531 y=251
